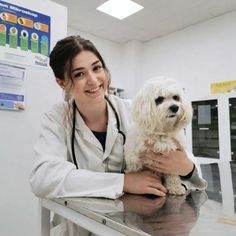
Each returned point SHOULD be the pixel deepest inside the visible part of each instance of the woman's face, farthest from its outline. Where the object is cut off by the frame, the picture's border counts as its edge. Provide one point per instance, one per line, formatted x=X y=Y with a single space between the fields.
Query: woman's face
x=90 y=79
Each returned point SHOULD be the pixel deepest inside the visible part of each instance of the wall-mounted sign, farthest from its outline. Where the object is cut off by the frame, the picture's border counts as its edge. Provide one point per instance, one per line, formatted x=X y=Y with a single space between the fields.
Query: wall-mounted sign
x=24 y=35
x=12 y=90
x=223 y=87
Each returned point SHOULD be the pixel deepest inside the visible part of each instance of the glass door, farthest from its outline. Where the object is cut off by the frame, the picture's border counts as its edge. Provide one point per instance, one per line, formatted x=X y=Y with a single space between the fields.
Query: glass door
x=205 y=134
x=232 y=117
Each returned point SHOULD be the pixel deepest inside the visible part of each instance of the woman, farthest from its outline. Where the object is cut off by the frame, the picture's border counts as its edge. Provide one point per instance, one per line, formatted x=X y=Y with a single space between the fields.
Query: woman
x=80 y=149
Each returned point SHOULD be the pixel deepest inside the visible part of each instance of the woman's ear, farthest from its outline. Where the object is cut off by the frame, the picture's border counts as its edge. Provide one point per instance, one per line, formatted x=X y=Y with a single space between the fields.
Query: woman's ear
x=61 y=83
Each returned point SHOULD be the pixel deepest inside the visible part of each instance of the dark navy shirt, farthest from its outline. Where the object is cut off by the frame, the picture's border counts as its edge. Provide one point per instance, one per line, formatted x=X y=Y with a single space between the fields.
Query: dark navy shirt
x=101 y=136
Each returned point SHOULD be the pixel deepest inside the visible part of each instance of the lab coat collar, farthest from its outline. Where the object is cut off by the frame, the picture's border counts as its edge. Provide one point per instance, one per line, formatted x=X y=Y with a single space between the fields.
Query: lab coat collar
x=88 y=135
x=112 y=132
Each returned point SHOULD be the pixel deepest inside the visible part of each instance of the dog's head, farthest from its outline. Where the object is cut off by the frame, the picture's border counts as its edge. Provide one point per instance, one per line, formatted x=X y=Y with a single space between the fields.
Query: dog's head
x=161 y=106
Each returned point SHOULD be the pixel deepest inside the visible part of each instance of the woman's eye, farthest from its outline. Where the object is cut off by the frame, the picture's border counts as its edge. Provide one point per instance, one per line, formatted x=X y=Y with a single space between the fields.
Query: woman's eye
x=79 y=75
x=97 y=68
x=176 y=98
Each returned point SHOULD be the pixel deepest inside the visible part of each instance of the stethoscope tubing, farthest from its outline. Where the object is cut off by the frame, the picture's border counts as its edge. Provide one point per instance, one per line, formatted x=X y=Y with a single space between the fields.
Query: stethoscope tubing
x=73 y=129
x=73 y=136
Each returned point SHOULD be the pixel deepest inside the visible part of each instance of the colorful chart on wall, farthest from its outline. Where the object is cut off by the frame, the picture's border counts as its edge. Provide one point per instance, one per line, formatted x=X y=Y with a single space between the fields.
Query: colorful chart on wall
x=24 y=35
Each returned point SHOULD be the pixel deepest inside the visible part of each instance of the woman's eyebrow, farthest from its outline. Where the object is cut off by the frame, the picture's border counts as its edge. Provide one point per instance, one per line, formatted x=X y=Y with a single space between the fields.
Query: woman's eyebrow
x=81 y=68
x=96 y=62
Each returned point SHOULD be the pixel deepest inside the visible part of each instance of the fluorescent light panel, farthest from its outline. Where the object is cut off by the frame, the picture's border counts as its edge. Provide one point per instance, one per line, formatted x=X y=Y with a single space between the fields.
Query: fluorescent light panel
x=120 y=8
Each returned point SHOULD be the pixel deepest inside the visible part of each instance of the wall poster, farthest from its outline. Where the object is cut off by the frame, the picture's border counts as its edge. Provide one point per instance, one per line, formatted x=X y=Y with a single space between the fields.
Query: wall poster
x=24 y=35
x=223 y=87
x=12 y=88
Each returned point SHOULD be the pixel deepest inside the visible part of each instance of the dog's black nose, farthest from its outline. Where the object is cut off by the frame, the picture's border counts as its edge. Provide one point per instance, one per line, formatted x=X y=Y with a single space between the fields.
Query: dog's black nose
x=174 y=108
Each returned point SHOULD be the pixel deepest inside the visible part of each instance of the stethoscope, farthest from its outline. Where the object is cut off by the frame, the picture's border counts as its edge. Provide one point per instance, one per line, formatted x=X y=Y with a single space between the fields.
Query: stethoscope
x=73 y=130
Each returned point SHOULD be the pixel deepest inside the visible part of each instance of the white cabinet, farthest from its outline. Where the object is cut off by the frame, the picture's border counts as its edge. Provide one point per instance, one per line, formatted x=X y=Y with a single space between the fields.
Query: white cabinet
x=212 y=134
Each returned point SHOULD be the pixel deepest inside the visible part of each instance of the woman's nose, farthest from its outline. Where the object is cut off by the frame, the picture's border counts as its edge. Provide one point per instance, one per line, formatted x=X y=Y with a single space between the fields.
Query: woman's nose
x=91 y=76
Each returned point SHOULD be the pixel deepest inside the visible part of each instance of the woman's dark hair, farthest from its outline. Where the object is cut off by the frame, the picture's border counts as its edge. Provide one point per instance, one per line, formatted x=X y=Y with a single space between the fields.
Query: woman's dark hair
x=61 y=58
x=65 y=50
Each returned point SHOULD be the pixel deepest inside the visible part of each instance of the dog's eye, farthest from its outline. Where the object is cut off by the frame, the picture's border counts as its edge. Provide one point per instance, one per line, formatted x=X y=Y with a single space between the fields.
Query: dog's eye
x=159 y=100
x=176 y=98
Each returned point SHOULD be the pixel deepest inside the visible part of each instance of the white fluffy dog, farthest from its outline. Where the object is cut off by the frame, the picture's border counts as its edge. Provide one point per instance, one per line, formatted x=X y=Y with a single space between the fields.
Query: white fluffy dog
x=160 y=112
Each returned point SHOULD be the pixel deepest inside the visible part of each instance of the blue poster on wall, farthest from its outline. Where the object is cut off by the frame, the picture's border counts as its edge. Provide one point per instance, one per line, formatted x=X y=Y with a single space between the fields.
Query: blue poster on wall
x=12 y=87
x=25 y=30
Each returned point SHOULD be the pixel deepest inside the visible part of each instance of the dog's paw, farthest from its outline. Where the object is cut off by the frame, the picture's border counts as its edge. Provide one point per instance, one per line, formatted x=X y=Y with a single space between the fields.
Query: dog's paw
x=177 y=190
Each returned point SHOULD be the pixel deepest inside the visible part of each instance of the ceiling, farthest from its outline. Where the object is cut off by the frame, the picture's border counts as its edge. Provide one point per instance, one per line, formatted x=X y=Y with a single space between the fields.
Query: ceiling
x=158 y=18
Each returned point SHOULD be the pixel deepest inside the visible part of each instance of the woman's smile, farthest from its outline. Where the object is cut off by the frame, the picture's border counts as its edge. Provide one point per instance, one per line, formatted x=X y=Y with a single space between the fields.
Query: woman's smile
x=94 y=90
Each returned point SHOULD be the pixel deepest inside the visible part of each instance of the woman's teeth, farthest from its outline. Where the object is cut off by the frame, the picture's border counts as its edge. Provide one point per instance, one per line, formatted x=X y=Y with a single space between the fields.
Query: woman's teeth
x=93 y=90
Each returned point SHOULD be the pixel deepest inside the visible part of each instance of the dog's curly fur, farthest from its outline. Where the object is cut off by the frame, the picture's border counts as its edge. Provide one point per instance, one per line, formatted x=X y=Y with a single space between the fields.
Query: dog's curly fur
x=160 y=112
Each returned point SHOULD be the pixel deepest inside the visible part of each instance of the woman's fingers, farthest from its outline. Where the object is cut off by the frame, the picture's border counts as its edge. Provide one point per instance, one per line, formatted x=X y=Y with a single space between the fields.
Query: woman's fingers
x=154 y=164
x=151 y=157
x=155 y=191
x=159 y=187
x=157 y=184
x=144 y=182
x=157 y=168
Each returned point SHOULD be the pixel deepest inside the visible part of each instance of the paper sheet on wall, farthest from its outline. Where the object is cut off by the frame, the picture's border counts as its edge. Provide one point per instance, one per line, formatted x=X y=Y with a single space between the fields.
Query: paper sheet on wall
x=12 y=94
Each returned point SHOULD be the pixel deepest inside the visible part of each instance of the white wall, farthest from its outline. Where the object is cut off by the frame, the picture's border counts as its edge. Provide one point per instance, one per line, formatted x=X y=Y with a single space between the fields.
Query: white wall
x=131 y=67
x=19 y=131
x=196 y=56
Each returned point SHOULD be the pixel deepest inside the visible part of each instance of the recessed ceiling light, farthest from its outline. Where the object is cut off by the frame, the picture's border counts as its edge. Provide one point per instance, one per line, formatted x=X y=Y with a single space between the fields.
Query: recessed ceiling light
x=120 y=8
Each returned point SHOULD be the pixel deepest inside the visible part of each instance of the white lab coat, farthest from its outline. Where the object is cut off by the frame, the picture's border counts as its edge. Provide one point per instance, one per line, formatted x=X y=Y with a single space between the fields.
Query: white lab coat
x=54 y=175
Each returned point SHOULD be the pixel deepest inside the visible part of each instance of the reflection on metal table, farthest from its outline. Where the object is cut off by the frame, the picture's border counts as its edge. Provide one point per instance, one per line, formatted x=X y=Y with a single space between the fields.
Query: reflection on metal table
x=210 y=212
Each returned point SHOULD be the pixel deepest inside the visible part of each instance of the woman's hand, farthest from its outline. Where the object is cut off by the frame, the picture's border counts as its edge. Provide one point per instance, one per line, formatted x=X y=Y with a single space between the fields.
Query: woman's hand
x=174 y=162
x=144 y=182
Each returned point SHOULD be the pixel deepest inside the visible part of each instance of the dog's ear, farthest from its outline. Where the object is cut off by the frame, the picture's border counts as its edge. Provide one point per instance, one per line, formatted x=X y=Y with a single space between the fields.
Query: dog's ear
x=143 y=108
x=188 y=111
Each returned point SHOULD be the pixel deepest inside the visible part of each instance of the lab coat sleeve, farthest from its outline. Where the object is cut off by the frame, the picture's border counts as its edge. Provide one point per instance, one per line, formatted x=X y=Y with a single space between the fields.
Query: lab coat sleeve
x=53 y=176
x=195 y=182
